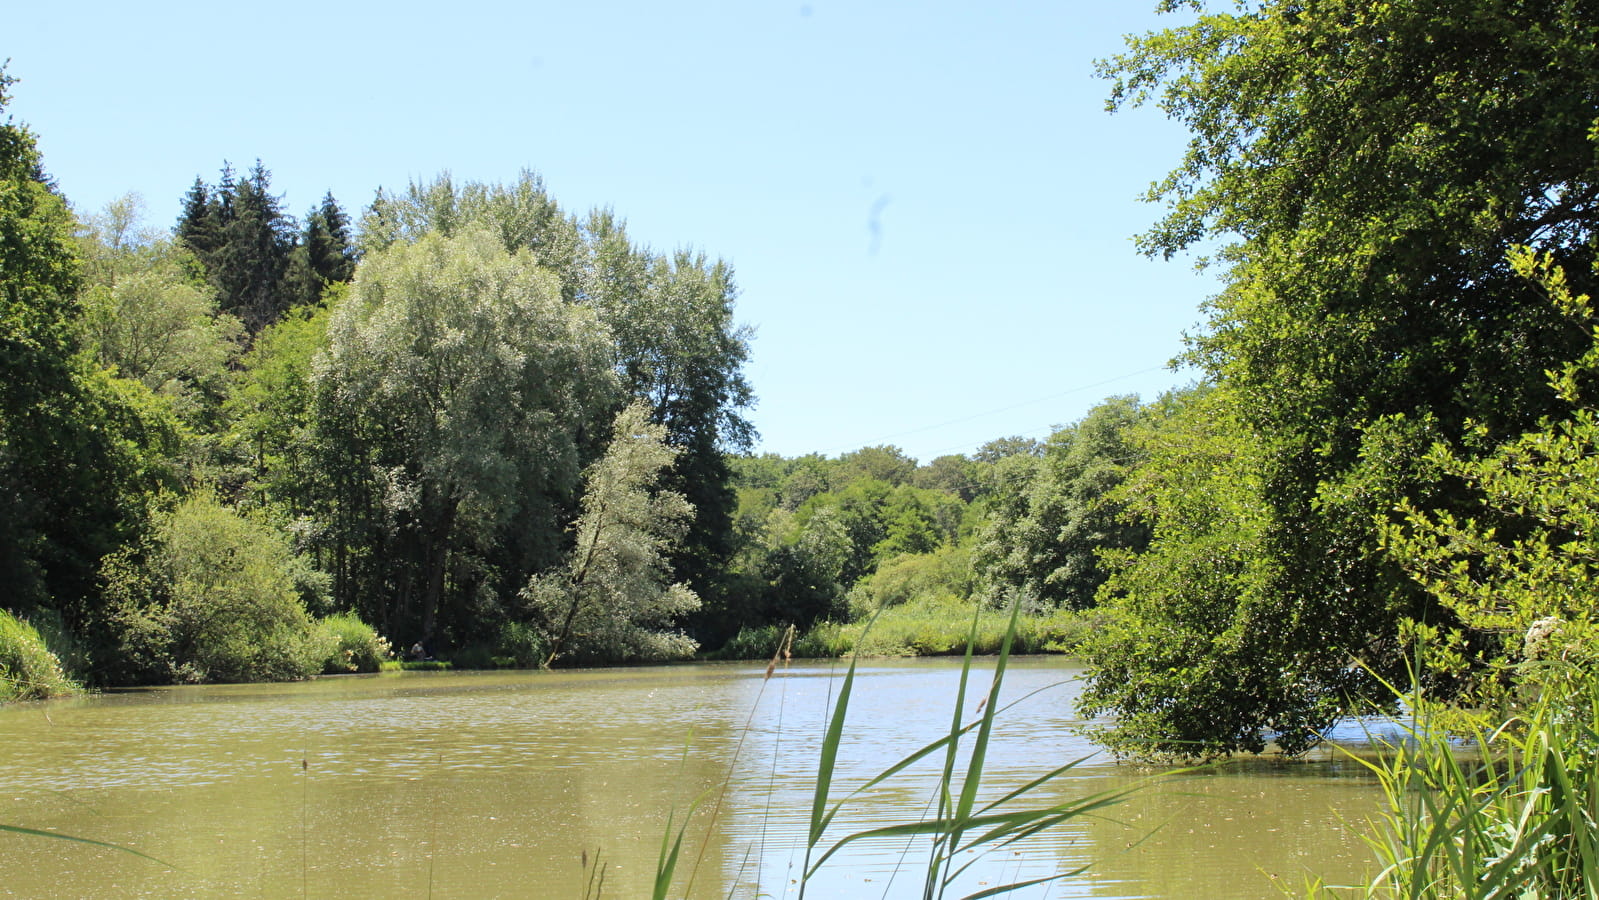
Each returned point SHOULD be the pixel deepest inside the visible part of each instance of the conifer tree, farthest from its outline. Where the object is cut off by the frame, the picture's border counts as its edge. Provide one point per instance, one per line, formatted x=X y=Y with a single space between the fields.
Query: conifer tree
x=244 y=240
x=327 y=239
x=325 y=254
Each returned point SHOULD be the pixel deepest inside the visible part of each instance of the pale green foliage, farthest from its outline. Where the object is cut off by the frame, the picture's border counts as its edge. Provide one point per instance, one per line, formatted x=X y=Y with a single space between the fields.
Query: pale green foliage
x=674 y=343
x=467 y=350
x=945 y=573
x=211 y=596
x=1525 y=592
x=355 y=646
x=519 y=216
x=28 y=669
x=143 y=313
x=455 y=370
x=612 y=599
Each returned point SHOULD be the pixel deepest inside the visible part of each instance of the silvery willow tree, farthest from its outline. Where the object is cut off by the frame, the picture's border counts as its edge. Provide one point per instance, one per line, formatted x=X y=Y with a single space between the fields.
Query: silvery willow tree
x=455 y=394
x=614 y=597
x=674 y=342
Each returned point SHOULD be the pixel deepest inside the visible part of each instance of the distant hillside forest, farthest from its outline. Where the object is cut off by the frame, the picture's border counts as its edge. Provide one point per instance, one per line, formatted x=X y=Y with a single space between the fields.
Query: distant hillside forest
x=472 y=426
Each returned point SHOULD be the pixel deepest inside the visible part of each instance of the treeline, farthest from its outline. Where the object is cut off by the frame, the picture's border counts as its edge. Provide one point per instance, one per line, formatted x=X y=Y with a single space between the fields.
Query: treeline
x=260 y=447
x=836 y=541
x=477 y=423
x=467 y=425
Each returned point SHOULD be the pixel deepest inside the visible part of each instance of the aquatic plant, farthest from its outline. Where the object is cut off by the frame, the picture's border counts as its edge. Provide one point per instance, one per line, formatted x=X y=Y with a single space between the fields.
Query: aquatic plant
x=963 y=826
x=1507 y=812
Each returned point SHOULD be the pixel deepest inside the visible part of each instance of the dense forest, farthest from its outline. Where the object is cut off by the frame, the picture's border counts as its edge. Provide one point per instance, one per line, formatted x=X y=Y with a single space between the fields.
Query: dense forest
x=474 y=426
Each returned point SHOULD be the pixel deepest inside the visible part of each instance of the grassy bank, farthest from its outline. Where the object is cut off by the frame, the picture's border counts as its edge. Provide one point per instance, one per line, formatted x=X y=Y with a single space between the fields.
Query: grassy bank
x=29 y=668
x=935 y=626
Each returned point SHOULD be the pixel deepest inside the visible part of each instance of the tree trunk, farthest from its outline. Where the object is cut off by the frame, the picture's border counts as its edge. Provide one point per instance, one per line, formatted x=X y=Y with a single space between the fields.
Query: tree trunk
x=436 y=552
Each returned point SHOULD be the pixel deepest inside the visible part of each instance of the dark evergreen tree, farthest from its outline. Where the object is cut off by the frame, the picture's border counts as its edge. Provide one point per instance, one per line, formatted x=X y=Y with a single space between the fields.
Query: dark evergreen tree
x=325 y=254
x=198 y=227
x=244 y=240
x=328 y=243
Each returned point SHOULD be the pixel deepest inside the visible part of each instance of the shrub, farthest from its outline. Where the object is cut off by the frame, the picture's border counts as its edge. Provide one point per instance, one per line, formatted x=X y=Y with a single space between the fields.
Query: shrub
x=211 y=596
x=354 y=645
x=476 y=655
x=1060 y=631
x=28 y=670
x=944 y=572
x=752 y=642
x=824 y=641
x=524 y=645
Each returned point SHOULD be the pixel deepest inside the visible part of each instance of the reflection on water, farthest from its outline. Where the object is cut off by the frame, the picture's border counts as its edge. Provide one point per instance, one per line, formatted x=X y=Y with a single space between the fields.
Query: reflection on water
x=501 y=785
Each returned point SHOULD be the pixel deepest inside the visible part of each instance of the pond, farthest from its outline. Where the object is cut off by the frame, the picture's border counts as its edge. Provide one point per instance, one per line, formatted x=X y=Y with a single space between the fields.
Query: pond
x=528 y=784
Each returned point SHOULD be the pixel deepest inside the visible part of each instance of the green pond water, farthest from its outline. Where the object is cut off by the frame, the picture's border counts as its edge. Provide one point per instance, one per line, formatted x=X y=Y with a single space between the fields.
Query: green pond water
x=469 y=785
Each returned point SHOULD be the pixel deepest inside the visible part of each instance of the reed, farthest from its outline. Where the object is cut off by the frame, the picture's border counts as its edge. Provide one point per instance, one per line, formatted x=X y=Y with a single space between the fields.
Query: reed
x=964 y=826
x=1506 y=812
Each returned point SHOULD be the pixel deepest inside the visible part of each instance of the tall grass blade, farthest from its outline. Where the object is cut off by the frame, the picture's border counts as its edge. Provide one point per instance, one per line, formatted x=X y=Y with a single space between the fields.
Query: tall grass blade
x=974 y=766
x=946 y=778
x=959 y=826
x=666 y=864
x=672 y=845
x=1513 y=814
x=14 y=829
x=820 y=816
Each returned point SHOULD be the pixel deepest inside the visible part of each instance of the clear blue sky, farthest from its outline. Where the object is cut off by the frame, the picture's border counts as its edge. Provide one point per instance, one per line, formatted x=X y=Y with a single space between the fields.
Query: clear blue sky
x=928 y=210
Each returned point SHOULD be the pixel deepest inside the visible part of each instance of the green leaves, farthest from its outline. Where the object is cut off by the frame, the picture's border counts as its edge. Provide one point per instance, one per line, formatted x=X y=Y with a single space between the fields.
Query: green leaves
x=459 y=385
x=613 y=599
x=1053 y=519
x=1365 y=169
x=211 y=596
x=1519 y=576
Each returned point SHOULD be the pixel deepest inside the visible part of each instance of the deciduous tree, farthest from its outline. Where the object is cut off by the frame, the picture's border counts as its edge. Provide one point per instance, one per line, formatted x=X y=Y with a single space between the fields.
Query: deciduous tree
x=458 y=379
x=615 y=598
x=1365 y=168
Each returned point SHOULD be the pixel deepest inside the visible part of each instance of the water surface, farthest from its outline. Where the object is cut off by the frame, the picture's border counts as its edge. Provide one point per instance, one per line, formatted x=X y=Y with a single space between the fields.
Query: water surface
x=530 y=784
